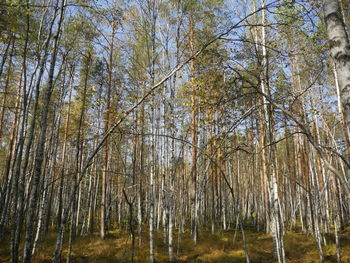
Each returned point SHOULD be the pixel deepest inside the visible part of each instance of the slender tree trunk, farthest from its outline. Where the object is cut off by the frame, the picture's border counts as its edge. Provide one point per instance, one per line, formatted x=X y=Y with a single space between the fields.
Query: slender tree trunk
x=194 y=209
x=64 y=151
x=276 y=216
x=106 y=127
x=39 y=157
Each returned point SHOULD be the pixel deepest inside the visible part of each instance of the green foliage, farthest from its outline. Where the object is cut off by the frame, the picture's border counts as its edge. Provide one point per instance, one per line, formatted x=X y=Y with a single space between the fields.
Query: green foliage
x=13 y=18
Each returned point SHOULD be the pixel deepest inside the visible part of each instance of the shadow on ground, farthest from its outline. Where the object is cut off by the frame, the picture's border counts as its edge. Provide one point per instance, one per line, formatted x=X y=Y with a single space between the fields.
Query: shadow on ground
x=214 y=248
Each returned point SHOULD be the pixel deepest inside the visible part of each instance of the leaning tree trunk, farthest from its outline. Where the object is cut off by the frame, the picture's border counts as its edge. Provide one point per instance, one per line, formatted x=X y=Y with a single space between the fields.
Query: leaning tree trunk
x=39 y=157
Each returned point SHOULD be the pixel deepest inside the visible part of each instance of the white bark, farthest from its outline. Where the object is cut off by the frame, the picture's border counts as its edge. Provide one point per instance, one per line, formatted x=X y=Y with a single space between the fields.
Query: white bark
x=340 y=51
x=276 y=216
x=151 y=214
x=337 y=240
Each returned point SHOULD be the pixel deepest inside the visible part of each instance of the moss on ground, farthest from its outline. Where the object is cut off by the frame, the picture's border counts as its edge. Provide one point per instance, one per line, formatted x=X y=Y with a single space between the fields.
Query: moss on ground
x=212 y=248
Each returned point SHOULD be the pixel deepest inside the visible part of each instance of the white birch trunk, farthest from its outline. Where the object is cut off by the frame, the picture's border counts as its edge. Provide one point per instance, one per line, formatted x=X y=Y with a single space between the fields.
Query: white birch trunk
x=340 y=52
x=276 y=216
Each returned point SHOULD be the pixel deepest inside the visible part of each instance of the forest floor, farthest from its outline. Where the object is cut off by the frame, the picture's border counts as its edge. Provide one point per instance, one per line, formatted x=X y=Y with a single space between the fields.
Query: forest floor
x=216 y=247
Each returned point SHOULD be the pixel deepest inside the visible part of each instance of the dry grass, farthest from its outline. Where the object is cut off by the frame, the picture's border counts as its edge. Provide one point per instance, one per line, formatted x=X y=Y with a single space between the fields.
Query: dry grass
x=212 y=248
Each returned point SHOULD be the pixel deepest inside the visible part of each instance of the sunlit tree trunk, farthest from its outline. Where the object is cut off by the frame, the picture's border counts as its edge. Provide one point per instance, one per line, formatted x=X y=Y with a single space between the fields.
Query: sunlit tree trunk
x=194 y=209
x=339 y=45
x=340 y=51
x=276 y=216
